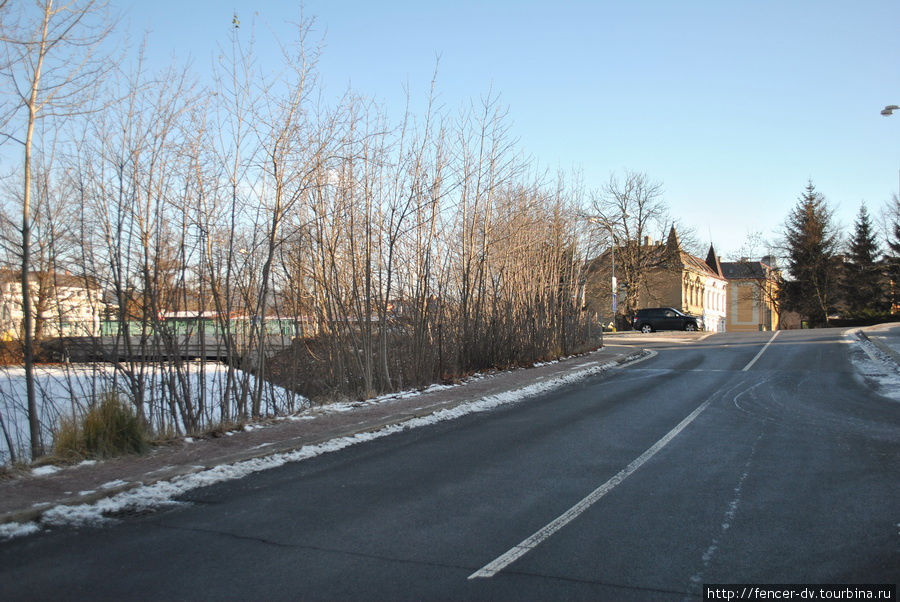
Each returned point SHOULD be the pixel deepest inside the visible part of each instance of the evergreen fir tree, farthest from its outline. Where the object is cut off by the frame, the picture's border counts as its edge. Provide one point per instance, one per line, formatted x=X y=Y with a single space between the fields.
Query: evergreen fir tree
x=811 y=244
x=863 y=279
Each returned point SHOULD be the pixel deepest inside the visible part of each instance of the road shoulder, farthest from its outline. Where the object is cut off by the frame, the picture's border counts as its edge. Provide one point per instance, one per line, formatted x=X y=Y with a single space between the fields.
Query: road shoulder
x=91 y=490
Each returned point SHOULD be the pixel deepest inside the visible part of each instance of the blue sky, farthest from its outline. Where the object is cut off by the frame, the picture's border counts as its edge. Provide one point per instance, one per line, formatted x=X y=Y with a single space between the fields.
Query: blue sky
x=733 y=106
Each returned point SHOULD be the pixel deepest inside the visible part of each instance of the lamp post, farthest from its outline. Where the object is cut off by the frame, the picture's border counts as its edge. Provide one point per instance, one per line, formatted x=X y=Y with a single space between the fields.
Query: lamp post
x=612 y=246
x=887 y=112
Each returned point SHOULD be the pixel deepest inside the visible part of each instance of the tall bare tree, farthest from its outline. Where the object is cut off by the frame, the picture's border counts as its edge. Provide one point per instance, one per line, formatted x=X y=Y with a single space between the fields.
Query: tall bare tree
x=52 y=67
x=628 y=210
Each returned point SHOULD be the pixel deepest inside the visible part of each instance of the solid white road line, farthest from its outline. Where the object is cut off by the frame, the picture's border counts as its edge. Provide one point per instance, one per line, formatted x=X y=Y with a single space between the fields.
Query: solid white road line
x=494 y=567
x=761 y=351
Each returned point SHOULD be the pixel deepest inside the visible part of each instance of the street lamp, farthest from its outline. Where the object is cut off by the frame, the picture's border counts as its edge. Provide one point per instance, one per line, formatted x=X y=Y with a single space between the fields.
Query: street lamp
x=612 y=246
x=888 y=111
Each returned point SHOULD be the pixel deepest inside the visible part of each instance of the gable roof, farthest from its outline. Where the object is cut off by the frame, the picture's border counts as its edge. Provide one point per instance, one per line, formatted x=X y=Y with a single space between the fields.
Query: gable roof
x=755 y=270
x=692 y=262
x=671 y=254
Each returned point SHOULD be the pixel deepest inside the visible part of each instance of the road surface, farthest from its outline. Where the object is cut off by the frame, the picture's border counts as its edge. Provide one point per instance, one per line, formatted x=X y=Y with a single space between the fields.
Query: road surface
x=739 y=458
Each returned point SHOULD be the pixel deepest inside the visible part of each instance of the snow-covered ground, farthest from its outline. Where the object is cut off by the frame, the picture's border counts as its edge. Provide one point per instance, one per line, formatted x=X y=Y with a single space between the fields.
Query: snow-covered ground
x=69 y=389
x=165 y=492
x=874 y=366
x=886 y=338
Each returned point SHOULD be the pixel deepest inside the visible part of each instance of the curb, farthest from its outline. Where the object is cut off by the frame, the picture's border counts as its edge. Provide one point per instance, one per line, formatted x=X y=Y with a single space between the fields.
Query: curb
x=861 y=333
x=35 y=513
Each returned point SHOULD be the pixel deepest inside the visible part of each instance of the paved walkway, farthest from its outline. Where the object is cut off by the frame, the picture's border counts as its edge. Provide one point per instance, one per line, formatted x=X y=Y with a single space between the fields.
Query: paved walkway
x=26 y=495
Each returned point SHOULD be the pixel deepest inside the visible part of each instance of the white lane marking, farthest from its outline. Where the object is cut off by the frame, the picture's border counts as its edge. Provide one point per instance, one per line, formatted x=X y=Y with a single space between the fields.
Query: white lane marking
x=761 y=351
x=728 y=518
x=501 y=562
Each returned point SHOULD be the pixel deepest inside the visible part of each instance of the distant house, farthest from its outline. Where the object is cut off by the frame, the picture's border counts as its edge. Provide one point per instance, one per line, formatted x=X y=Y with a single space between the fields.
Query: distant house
x=63 y=305
x=690 y=284
x=677 y=279
x=752 y=294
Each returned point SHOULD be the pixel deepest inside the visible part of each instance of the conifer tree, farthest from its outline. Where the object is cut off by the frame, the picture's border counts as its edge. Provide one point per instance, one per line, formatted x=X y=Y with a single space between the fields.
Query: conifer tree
x=863 y=278
x=811 y=244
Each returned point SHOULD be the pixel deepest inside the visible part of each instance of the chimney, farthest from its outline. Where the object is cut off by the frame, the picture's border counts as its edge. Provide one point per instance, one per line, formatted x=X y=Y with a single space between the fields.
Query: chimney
x=646 y=241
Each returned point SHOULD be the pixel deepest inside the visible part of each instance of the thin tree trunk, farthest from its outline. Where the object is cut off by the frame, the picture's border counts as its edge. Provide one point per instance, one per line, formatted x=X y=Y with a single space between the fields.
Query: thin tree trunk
x=34 y=426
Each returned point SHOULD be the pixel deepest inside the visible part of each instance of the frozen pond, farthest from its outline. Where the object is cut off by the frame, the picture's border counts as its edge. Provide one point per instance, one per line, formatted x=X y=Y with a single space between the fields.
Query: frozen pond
x=70 y=389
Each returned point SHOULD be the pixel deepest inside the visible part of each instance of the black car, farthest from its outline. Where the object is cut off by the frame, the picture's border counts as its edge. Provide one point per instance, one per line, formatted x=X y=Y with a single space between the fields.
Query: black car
x=665 y=318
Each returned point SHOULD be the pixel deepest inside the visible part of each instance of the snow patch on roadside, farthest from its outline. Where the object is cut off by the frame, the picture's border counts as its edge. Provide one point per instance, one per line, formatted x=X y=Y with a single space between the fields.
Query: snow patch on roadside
x=875 y=368
x=11 y=530
x=45 y=470
x=113 y=484
x=164 y=493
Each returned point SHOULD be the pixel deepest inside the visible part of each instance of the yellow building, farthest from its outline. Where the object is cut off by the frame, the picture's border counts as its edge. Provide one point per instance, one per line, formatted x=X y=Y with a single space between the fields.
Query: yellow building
x=752 y=290
x=670 y=277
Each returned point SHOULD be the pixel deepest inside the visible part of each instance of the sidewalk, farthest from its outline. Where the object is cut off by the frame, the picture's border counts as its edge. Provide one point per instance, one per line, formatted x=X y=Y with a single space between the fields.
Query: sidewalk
x=884 y=336
x=28 y=496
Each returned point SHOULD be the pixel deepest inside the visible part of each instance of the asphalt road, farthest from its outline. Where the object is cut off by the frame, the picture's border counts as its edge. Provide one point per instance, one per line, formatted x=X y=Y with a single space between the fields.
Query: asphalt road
x=740 y=458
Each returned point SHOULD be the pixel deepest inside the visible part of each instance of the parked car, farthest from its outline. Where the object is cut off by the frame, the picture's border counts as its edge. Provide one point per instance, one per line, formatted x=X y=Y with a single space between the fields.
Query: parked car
x=665 y=318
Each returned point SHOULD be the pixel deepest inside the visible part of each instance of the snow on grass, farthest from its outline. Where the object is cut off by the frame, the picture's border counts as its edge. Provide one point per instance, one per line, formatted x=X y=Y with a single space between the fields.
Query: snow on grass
x=44 y=470
x=113 y=484
x=875 y=367
x=69 y=389
x=164 y=493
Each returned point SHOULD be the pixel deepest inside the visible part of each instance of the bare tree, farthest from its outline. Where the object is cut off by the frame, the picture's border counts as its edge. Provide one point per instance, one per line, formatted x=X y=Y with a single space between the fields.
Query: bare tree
x=629 y=210
x=52 y=67
x=401 y=252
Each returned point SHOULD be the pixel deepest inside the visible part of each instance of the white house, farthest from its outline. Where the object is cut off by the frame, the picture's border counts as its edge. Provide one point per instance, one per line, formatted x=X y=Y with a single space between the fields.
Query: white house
x=63 y=304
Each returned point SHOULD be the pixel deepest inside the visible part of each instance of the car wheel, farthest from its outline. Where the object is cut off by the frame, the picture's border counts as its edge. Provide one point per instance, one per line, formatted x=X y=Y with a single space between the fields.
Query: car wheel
x=690 y=327
x=646 y=328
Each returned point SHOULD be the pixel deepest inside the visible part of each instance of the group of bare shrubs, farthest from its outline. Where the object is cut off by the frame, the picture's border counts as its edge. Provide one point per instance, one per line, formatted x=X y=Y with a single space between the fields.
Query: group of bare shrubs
x=416 y=248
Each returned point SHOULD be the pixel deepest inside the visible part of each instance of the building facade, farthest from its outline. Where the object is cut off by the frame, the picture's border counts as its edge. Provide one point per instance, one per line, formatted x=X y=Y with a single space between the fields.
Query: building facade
x=63 y=305
x=676 y=279
x=752 y=295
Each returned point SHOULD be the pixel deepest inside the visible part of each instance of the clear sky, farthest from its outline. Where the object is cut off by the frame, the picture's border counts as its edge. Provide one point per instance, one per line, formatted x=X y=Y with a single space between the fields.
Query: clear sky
x=731 y=105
